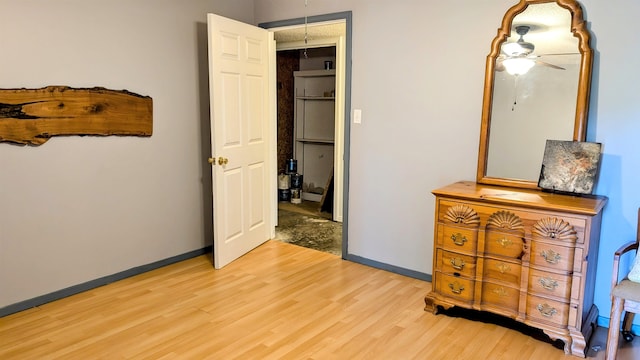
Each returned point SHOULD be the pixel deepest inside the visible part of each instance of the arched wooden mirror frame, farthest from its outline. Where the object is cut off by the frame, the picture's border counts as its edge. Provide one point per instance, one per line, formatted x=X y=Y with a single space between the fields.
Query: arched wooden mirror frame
x=579 y=30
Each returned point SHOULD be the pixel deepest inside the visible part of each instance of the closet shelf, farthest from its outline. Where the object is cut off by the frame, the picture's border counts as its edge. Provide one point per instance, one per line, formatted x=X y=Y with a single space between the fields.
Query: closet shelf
x=312 y=73
x=314 y=126
x=315 y=98
x=315 y=141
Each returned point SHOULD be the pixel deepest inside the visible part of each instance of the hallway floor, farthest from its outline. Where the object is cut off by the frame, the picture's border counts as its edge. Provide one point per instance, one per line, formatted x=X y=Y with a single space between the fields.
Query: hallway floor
x=304 y=225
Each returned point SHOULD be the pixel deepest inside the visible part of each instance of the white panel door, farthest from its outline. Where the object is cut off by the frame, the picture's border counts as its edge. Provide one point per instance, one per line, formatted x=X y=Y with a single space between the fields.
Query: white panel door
x=239 y=91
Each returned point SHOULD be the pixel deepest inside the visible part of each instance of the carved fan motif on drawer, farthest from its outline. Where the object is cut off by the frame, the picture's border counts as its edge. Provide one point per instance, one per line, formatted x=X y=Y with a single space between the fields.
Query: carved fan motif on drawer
x=555 y=228
x=462 y=214
x=505 y=220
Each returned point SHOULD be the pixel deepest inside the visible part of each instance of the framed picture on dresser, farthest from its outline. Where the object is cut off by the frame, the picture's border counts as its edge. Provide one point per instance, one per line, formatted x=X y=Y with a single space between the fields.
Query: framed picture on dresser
x=570 y=166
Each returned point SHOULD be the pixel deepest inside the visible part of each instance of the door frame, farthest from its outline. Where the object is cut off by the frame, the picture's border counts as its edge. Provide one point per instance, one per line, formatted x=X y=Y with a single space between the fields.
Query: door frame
x=345 y=16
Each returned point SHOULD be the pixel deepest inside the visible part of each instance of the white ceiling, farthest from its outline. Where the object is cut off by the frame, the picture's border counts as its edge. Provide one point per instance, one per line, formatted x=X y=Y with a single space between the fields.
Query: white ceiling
x=550 y=29
x=314 y=31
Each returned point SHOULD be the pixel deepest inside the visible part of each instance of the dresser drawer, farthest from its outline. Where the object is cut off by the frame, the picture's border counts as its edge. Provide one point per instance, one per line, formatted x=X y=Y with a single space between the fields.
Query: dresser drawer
x=503 y=244
x=547 y=311
x=455 y=212
x=455 y=287
x=565 y=229
x=551 y=256
x=503 y=271
x=451 y=263
x=501 y=296
x=458 y=239
x=546 y=283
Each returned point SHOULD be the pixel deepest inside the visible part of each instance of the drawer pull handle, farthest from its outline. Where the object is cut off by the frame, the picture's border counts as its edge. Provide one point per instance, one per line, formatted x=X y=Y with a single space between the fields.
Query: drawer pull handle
x=548 y=283
x=505 y=242
x=503 y=268
x=456 y=287
x=547 y=310
x=458 y=239
x=457 y=263
x=550 y=256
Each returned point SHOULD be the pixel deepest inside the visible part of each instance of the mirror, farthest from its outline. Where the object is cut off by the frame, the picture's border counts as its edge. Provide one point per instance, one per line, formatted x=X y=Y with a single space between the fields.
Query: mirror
x=537 y=83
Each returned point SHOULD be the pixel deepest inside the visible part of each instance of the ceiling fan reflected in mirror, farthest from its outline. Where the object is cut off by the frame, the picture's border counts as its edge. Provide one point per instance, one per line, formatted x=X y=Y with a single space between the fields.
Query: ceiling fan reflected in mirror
x=517 y=57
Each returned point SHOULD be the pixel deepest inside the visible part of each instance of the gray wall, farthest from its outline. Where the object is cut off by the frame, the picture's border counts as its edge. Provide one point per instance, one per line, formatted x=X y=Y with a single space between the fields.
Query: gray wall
x=76 y=208
x=80 y=208
x=418 y=73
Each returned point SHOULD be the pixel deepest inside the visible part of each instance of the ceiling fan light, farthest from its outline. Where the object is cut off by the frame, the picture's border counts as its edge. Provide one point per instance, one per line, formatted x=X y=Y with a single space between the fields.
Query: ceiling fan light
x=512 y=49
x=518 y=66
x=518 y=48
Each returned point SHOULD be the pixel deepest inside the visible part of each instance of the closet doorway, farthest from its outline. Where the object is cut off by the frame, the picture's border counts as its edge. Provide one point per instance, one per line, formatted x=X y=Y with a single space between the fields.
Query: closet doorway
x=311 y=135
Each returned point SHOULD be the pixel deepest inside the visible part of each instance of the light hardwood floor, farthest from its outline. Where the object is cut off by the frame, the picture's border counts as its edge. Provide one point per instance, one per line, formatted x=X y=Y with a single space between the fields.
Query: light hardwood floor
x=280 y=301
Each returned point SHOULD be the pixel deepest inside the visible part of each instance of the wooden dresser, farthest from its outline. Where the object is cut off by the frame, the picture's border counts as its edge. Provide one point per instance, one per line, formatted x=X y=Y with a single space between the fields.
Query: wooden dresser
x=524 y=254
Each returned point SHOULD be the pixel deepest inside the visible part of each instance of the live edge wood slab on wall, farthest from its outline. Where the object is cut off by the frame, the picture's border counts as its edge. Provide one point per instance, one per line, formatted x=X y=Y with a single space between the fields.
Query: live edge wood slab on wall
x=32 y=116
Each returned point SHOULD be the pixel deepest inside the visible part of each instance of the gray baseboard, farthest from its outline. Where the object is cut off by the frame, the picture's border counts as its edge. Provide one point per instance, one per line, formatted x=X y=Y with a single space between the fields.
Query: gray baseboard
x=394 y=269
x=92 y=284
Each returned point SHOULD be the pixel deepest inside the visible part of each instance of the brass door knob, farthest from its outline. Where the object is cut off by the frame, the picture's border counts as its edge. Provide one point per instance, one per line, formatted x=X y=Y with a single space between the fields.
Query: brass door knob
x=222 y=161
x=211 y=160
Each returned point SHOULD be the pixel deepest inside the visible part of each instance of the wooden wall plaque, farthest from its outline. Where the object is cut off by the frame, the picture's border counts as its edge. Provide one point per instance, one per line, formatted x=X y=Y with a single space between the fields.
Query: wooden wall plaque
x=32 y=116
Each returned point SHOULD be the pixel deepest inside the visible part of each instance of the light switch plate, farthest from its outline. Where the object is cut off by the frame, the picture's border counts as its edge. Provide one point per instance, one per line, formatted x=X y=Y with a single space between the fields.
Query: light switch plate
x=357 y=116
